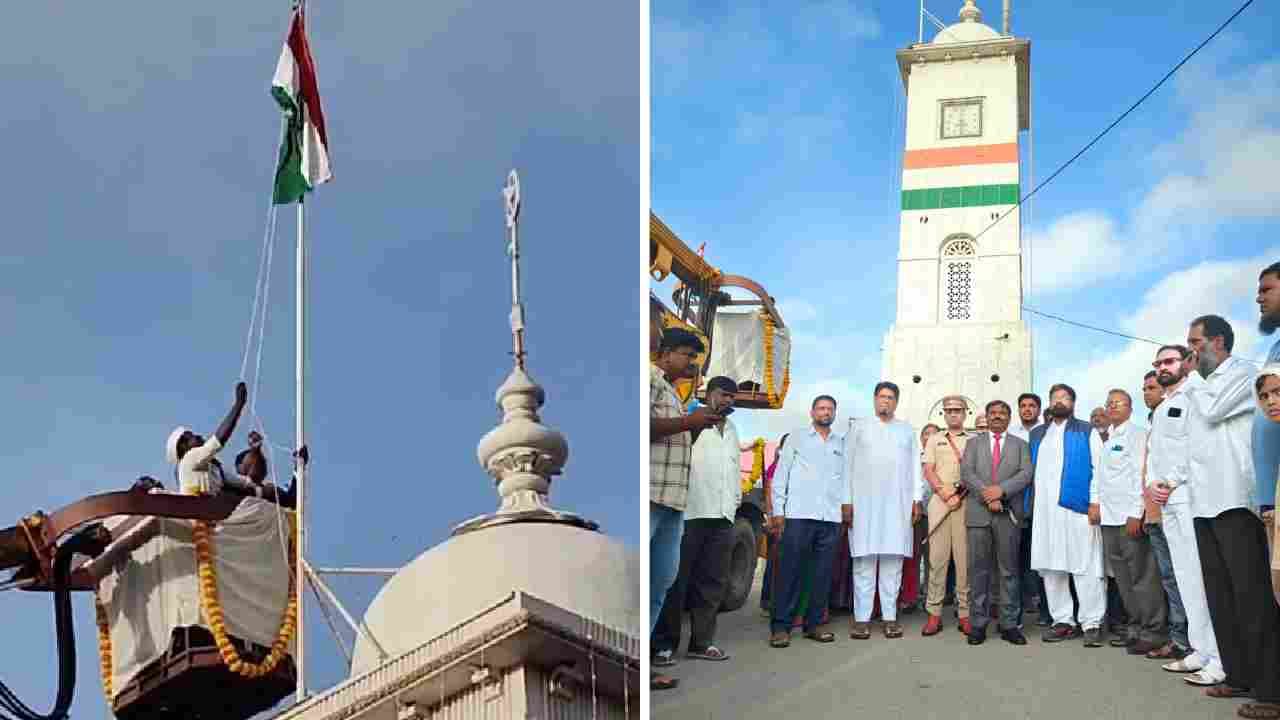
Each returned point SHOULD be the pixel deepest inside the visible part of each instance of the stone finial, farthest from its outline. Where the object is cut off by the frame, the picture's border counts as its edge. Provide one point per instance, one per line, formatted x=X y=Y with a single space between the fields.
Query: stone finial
x=970 y=12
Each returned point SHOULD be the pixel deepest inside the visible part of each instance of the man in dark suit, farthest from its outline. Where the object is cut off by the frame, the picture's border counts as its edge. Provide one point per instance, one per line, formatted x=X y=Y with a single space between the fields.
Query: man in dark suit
x=996 y=468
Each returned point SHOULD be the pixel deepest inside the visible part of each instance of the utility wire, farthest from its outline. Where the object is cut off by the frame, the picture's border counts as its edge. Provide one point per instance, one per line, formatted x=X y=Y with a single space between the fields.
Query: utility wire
x=1112 y=332
x=1117 y=121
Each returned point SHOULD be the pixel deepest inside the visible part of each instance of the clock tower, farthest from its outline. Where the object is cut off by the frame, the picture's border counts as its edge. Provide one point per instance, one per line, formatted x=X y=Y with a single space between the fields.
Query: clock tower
x=959 y=327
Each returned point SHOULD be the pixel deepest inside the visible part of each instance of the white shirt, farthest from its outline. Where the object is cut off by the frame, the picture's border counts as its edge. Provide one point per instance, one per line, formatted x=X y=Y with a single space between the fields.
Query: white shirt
x=1117 y=484
x=1221 y=435
x=885 y=478
x=196 y=475
x=809 y=483
x=1020 y=432
x=715 y=488
x=1168 y=453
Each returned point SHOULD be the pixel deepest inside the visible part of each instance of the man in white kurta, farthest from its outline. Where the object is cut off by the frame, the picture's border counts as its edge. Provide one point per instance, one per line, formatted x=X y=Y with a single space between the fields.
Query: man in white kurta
x=887 y=485
x=1066 y=543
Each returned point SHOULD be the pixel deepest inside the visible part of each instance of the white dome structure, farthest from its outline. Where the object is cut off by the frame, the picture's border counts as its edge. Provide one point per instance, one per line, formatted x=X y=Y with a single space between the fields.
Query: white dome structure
x=567 y=566
x=969 y=29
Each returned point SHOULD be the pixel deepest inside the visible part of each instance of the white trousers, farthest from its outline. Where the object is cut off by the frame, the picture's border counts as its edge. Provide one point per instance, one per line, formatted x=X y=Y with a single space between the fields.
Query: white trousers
x=1181 y=534
x=1091 y=591
x=864 y=586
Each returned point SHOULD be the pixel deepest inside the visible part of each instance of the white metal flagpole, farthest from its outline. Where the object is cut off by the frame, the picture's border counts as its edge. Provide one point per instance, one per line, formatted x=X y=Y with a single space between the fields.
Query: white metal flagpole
x=300 y=433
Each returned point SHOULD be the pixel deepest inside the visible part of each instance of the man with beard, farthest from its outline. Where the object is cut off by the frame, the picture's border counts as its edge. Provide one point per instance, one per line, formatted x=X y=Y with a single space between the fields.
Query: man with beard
x=996 y=470
x=1066 y=542
x=1117 y=492
x=1178 y=646
x=715 y=489
x=1266 y=434
x=1168 y=478
x=1229 y=533
x=887 y=484
x=810 y=502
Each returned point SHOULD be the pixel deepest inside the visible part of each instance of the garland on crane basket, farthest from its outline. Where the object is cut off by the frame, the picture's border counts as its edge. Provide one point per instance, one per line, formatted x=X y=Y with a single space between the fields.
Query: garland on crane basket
x=757 y=466
x=104 y=649
x=212 y=607
x=775 y=398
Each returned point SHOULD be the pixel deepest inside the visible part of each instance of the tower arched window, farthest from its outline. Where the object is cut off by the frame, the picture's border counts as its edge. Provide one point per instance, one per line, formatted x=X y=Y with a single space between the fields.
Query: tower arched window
x=959 y=269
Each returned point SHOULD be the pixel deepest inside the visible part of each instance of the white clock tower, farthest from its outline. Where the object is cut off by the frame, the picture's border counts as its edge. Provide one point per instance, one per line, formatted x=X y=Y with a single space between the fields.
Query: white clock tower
x=959 y=327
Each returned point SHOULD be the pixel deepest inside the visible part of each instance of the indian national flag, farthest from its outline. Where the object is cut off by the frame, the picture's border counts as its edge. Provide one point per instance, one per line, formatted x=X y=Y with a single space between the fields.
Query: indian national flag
x=304 y=153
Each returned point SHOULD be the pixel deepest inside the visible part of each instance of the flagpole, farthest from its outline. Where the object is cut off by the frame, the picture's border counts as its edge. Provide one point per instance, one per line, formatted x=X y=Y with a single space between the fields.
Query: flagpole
x=300 y=433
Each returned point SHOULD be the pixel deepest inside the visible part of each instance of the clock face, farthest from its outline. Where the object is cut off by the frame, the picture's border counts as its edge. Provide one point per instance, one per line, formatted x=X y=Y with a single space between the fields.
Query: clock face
x=962 y=119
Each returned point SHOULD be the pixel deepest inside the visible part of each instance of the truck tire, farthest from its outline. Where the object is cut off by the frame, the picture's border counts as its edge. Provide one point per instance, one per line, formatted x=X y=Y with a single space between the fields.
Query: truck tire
x=742 y=566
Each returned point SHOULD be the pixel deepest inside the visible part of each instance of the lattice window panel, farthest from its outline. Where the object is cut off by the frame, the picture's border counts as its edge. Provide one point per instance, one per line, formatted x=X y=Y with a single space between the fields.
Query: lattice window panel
x=959 y=289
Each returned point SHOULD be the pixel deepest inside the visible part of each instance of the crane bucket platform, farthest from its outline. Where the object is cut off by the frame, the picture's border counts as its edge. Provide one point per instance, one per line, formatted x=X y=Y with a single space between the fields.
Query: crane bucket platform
x=195 y=598
x=752 y=346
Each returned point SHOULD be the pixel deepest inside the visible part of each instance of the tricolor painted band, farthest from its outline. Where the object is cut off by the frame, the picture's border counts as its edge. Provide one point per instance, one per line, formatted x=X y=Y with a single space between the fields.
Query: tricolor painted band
x=957 y=197
x=966 y=155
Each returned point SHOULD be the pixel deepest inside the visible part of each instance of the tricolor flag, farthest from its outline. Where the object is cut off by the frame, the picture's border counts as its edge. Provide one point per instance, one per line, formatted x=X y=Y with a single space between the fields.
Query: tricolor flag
x=304 y=152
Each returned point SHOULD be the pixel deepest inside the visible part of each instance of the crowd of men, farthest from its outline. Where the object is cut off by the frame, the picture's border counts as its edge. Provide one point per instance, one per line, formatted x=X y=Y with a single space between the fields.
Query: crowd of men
x=1160 y=537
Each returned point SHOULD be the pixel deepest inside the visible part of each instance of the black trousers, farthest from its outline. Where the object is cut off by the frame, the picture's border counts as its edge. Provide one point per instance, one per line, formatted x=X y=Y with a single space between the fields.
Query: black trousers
x=1237 y=586
x=815 y=538
x=705 y=552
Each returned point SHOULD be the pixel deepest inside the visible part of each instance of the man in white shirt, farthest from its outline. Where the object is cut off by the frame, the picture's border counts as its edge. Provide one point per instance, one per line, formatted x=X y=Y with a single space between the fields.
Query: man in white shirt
x=707 y=545
x=1168 y=484
x=192 y=454
x=1032 y=596
x=1229 y=533
x=1117 y=492
x=810 y=502
x=1178 y=646
x=886 y=483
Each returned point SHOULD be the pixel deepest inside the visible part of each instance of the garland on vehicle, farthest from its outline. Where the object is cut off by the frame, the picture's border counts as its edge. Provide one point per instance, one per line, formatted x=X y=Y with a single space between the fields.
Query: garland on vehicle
x=212 y=607
x=775 y=397
x=757 y=466
x=104 y=649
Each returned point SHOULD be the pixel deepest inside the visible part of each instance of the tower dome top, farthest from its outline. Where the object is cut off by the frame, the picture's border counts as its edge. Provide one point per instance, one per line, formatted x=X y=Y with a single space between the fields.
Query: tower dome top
x=969 y=29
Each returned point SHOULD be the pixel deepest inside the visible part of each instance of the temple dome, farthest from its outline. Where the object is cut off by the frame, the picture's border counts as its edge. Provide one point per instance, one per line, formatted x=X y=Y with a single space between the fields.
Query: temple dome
x=574 y=568
x=969 y=29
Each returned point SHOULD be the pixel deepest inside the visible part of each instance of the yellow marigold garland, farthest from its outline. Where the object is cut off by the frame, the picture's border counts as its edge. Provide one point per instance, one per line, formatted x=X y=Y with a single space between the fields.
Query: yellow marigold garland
x=104 y=649
x=775 y=398
x=212 y=608
x=757 y=466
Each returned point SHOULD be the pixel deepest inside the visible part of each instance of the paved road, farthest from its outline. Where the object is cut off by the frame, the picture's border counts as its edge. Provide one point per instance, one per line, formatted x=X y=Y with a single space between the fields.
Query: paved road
x=919 y=678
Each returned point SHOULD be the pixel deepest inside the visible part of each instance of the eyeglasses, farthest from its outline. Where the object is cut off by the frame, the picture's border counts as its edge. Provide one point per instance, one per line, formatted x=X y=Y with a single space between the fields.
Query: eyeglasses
x=1167 y=361
x=952 y=410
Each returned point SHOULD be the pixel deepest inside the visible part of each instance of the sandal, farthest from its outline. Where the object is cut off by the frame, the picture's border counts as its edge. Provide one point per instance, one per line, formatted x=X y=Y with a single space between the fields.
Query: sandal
x=821 y=636
x=1164 y=652
x=860 y=631
x=663 y=658
x=1203 y=679
x=1226 y=692
x=1262 y=711
x=662 y=682
x=780 y=640
x=711 y=653
x=892 y=630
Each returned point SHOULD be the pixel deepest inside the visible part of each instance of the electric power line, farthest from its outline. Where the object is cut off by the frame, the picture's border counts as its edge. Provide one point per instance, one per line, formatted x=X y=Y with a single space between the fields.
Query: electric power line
x=1117 y=121
x=1113 y=332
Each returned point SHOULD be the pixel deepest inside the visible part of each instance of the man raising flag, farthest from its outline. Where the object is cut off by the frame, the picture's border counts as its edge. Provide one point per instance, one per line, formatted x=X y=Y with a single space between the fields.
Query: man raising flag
x=304 y=152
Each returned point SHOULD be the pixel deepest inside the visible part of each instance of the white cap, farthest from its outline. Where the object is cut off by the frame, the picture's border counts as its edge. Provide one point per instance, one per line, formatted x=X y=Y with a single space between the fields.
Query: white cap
x=171 y=445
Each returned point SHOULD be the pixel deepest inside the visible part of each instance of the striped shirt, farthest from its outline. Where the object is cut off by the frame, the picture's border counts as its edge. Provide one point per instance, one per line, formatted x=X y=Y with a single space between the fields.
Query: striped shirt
x=670 y=456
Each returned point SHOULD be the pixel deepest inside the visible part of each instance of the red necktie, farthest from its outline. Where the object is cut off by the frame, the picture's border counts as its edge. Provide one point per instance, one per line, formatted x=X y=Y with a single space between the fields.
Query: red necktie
x=995 y=461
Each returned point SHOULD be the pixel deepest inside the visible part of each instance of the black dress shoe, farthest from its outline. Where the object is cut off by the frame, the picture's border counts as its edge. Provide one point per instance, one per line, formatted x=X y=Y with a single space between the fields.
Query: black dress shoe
x=1014 y=636
x=978 y=636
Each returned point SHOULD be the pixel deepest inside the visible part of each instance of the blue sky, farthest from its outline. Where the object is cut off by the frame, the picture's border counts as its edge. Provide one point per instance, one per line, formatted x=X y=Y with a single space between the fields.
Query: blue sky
x=777 y=141
x=138 y=154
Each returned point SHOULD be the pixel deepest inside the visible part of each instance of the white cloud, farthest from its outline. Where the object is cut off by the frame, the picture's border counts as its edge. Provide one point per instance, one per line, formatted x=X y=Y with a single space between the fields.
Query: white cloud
x=1075 y=251
x=1219 y=169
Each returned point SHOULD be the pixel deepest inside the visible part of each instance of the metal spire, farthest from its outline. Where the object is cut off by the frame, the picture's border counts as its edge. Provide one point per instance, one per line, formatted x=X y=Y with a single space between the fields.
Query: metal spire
x=511 y=198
